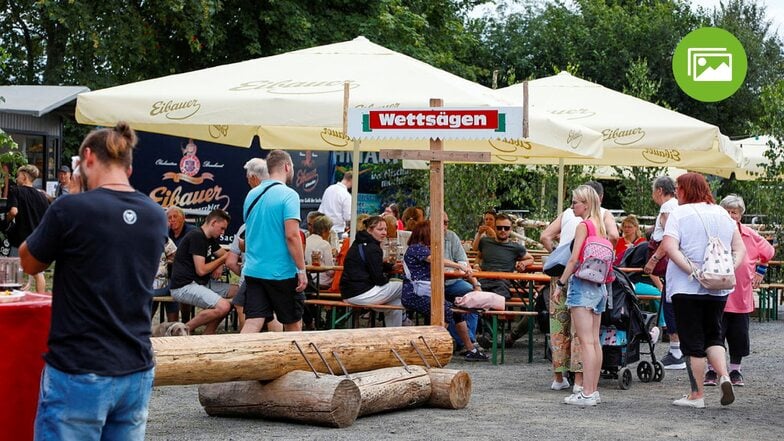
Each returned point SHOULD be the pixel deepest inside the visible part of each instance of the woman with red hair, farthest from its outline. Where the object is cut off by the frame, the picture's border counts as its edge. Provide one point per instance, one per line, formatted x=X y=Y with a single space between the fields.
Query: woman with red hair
x=698 y=310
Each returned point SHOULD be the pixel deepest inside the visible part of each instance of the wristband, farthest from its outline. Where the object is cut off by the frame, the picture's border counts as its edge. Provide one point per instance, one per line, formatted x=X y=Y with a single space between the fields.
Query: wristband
x=559 y=283
x=762 y=269
x=301 y=271
x=655 y=258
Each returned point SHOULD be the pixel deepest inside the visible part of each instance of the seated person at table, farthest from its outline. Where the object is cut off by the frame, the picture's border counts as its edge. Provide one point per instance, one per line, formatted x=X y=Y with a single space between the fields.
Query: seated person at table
x=501 y=255
x=456 y=287
x=198 y=257
x=416 y=286
x=317 y=243
x=364 y=280
x=178 y=228
x=161 y=284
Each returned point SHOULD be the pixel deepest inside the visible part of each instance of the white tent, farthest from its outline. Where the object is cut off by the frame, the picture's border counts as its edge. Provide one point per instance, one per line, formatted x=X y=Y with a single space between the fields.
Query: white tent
x=752 y=166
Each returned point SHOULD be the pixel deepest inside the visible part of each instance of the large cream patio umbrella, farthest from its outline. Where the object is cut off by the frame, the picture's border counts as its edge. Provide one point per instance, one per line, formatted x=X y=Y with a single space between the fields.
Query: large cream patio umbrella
x=296 y=100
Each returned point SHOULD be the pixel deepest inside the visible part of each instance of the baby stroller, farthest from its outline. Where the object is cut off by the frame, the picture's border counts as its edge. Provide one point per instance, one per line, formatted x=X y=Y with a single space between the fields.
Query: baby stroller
x=624 y=326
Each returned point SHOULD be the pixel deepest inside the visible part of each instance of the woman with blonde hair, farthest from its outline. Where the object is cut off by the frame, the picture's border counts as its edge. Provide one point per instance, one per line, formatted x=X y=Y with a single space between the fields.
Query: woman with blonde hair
x=630 y=236
x=586 y=300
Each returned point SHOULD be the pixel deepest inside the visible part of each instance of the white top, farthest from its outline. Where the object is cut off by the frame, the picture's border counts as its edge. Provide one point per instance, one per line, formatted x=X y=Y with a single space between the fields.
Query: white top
x=667 y=207
x=569 y=223
x=336 y=204
x=686 y=227
x=315 y=242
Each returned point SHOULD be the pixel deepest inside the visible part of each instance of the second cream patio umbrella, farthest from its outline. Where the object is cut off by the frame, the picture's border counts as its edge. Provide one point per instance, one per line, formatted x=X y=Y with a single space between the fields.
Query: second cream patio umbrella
x=634 y=132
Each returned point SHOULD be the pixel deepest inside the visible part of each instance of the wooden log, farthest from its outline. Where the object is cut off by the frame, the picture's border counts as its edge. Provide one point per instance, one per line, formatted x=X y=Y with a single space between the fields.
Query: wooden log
x=392 y=388
x=451 y=389
x=297 y=396
x=198 y=359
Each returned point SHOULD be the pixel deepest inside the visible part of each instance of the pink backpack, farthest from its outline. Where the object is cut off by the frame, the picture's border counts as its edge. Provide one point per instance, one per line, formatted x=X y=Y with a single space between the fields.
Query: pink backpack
x=596 y=258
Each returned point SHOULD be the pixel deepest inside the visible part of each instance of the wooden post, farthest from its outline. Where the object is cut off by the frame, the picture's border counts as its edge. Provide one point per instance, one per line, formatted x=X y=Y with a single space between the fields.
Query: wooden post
x=198 y=359
x=436 y=230
x=297 y=396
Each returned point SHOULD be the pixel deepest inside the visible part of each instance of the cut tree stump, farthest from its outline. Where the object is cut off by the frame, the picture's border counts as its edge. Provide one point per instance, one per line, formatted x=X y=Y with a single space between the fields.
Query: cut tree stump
x=392 y=388
x=451 y=388
x=269 y=355
x=297 y=396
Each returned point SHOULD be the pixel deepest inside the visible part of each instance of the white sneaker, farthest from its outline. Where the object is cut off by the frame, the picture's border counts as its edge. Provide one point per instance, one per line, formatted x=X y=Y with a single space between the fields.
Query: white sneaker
x=564 y=384
x=581 y=400
x=655 y=334
x=686 y=402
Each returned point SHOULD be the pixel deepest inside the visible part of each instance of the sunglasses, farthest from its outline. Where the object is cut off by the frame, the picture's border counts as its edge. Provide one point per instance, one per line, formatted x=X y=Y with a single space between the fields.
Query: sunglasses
x=503 y=228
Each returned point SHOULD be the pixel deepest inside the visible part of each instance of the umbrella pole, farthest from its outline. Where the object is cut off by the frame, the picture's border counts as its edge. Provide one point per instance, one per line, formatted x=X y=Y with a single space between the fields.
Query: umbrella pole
x=354 y=188
x=354 y=164
x=560 y=186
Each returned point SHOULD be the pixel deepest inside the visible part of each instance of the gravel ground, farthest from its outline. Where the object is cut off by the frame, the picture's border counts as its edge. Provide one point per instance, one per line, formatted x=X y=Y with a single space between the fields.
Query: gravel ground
x=514 y=400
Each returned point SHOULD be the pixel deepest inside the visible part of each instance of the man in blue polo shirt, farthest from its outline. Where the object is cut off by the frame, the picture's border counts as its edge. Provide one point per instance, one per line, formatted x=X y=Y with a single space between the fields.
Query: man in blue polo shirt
x=274 y=253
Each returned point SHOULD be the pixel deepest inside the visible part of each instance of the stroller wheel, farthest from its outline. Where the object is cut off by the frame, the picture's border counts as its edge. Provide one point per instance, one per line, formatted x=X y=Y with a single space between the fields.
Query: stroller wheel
x=625 y=378
x=658 y=371
x=645 y=371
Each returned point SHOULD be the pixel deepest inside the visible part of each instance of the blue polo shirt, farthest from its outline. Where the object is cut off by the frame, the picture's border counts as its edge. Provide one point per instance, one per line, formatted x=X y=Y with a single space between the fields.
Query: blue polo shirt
x=266 y=253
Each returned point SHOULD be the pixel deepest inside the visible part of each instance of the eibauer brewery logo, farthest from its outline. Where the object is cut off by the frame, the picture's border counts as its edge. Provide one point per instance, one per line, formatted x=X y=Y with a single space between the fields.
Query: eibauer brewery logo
x=172 y=192
x=661 y=156
x=623 y=136
x=334 y=137
x=175 y=110
x=295 y=87
x=581 y=113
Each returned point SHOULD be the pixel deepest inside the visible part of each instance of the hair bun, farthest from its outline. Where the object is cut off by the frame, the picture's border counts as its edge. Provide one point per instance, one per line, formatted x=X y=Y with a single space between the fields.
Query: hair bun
x=124 y=129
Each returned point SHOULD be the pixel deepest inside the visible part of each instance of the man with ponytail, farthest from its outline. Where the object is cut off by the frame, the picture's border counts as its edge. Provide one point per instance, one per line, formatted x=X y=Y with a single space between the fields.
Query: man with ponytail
x=107 y=242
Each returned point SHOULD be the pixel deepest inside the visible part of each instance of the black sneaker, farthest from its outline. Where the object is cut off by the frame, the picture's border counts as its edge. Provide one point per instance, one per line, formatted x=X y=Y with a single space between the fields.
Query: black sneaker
x=710 y=378
x=475 y=355
x=671 y=362
x=736 y=378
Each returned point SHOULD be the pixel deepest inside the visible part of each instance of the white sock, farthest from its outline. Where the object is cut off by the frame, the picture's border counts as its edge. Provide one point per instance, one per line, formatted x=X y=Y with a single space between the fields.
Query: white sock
x=675 y=350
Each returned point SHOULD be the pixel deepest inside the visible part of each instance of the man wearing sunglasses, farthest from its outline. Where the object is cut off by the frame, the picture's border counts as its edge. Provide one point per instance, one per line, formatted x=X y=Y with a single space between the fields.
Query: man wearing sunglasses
x=501 y=254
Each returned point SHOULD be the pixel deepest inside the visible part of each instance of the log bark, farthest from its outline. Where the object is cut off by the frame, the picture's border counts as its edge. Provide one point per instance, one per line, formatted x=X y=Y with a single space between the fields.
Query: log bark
x=297 y=396
x=393 y=388
x=266 y=356
x=451 y=389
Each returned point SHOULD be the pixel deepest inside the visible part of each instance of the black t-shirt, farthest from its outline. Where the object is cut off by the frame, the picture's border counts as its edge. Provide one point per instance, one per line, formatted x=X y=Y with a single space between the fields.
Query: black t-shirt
x=107 y=245
x=195 y=243
x=31 y=204
x=186 y=228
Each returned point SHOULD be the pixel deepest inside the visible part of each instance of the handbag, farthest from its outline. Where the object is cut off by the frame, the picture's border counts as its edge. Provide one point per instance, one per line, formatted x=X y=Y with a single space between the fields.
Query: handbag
x=481 y=300
x=718 y=269
x=661 y=266
x=556 y=262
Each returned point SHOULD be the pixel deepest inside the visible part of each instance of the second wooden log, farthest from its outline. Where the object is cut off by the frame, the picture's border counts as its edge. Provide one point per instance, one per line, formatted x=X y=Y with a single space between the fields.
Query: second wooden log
x=392 y=388
x=451 y=389
x=297 y=396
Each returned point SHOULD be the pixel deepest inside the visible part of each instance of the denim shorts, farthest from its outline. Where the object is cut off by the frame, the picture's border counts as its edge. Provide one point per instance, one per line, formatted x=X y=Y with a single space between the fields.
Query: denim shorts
x=201 y=296
x=92 y=407
x=583 y=293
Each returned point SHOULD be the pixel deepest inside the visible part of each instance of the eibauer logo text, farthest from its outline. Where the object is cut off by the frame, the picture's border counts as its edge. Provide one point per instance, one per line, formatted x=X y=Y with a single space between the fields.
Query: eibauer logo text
x=294 y=87
x=623 y=136
x=661 y=156
x=175 y=110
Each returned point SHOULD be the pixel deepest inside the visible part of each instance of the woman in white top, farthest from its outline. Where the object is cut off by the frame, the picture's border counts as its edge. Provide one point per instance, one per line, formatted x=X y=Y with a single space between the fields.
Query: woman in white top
x=698 y=310
x=318 y=242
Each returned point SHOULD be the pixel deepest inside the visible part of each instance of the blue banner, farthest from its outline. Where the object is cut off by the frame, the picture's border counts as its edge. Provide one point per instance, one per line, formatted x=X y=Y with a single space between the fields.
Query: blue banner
x=199 y=176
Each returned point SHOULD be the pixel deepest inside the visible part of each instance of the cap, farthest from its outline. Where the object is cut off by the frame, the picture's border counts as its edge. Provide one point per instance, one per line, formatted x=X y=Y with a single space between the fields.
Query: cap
x=64 y=168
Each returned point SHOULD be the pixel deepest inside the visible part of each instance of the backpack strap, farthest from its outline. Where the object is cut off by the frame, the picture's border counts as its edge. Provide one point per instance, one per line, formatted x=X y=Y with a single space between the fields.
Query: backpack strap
x=591 y=228
x=255 y=201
